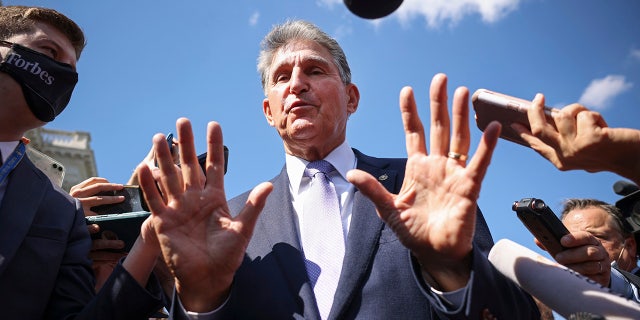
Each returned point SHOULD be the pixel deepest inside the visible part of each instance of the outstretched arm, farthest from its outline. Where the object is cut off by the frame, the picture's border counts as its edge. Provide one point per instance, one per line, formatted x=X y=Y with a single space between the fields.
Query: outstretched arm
x=434 y=213
x=201 y=243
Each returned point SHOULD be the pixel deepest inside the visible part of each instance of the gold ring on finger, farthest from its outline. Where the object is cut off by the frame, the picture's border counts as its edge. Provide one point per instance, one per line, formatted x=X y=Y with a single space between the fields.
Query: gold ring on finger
x=457 y=156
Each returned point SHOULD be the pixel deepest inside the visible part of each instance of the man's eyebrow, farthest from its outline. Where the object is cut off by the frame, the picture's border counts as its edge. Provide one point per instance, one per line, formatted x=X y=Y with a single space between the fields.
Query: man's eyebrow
x=318 y=60
x=315 y=59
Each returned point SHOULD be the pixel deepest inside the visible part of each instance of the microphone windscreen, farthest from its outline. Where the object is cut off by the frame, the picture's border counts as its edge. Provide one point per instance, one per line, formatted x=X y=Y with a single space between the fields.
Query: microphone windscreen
x=624 y=188
x=558 y=287
x=372 y=9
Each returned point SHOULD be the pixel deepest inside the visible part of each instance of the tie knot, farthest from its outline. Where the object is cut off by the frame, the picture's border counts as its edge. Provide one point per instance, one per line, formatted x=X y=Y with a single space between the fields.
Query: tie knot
x=318 y=166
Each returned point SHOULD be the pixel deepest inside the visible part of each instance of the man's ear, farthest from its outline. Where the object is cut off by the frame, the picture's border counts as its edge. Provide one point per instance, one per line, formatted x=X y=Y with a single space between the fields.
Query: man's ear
x=266 y=109
x=353 y=95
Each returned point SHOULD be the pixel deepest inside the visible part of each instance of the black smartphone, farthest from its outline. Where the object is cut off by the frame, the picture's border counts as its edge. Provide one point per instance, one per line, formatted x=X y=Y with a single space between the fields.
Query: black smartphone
x=202 y=160
x=133 y=201
x=542 y=223
x=494 y=106
x=119 y=226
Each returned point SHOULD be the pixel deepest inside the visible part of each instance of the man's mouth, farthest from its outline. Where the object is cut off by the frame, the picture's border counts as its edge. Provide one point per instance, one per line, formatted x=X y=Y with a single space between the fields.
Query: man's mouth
x=296 y=104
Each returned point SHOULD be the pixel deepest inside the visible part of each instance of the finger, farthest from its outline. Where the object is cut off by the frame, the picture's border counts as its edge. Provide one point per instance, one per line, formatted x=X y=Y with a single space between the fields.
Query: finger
x=535 y=114
x=170 y=182
x=581 y=255
x=100 y=200
x=92 y=189
x=528 y=137
x=579 y=238
x=588 y=120
x=102 y=244
x=214 y=165
x=93 y=228
x=460 y=134
x=188 y=158
x=539 y=244
x=439 y=133
x=372 y=189
x=88 y=182
x=157 y=176
x=150 y=191
x=482 y=157
x=252 y=208
x=413 y=129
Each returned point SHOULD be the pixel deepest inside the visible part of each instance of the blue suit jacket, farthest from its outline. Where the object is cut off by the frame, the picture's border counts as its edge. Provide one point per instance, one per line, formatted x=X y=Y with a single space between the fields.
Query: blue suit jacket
x=379 y=279
x=45 y=270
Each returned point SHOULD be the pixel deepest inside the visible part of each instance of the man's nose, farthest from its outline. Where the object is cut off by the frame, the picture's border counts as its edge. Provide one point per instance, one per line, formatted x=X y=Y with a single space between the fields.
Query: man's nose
x=299 y=82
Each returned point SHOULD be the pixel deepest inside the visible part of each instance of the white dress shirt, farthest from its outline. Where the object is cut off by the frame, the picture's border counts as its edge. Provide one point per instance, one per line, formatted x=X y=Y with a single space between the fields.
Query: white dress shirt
x=343 y=159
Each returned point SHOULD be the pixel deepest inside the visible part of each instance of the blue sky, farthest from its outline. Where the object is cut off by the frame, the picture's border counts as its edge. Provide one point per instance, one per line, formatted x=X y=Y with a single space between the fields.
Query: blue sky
x=149 y=62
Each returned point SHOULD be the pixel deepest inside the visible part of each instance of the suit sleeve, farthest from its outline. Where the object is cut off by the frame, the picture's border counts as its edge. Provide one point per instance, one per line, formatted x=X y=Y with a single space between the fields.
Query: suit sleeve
x=488 y=292
x=74 y=286
x=74 y=293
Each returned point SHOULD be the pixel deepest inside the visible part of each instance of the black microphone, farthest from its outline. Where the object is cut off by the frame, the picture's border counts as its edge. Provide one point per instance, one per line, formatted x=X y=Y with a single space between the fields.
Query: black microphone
x=372 y=9
x=624 y=188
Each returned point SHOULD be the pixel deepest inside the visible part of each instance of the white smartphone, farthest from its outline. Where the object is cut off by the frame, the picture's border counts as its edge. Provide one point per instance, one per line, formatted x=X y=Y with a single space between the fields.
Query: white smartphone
x=51 y=167
x=493 y=106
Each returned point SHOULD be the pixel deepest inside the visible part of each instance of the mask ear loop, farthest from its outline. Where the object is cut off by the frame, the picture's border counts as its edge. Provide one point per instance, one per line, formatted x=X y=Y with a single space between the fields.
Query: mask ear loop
x=624 y=245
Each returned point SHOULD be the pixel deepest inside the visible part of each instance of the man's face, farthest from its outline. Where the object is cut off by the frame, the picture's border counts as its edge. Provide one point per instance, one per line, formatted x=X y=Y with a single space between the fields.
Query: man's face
x=15 y=115
x=598 y=222
x=307 y=102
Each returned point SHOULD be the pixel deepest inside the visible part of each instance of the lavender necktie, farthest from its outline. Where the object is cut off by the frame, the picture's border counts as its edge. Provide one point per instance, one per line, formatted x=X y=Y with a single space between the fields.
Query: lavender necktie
x=322 y=235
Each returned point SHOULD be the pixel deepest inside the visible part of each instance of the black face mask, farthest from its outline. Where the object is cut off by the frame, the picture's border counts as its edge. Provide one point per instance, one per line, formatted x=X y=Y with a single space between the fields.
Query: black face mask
x=46 y=84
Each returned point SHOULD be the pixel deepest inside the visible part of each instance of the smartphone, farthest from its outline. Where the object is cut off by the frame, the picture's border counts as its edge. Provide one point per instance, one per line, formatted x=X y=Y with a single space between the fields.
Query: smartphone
x=51 y=167
x=493 y=106
x=119 y=226
x=133 y=201
x=202 y=160
x=542 y=223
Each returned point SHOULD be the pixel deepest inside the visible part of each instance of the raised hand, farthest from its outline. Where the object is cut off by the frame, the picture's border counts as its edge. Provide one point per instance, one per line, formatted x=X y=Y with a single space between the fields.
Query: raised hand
x=202 y=244
x=434 y=213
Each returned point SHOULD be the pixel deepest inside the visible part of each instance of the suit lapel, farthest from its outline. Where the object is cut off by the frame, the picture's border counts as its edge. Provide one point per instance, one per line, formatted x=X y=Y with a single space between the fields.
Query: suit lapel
x=24 y=192
x=364 y=235
x=279 y=224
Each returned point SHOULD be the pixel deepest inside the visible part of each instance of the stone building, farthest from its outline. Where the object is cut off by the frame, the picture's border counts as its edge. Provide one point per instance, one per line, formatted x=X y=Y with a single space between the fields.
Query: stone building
x=70 y=148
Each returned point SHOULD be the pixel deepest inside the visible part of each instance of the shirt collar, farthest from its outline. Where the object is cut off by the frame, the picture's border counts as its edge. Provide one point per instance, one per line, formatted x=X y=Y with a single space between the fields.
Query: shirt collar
x=342 y=158
x=7 y=148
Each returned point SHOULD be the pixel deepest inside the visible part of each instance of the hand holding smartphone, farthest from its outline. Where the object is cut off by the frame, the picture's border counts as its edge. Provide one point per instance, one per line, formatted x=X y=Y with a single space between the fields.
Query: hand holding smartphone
x=542 y=223
x=493 y=106
x=119 y=226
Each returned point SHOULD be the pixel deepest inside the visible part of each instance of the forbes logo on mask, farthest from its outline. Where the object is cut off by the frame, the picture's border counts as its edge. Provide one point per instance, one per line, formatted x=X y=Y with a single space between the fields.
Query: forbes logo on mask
x=47 y=84
x=33 y=67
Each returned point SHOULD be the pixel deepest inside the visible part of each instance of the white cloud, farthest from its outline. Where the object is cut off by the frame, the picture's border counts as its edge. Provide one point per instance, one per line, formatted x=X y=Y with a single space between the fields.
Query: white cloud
x=329 y=3
x=253 y=20
x=635 y=54
x=601 y=92
x=438 y=12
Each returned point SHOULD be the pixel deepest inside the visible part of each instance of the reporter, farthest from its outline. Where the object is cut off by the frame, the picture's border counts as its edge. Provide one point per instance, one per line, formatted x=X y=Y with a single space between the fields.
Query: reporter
x=45 y=270
x=604 y=222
